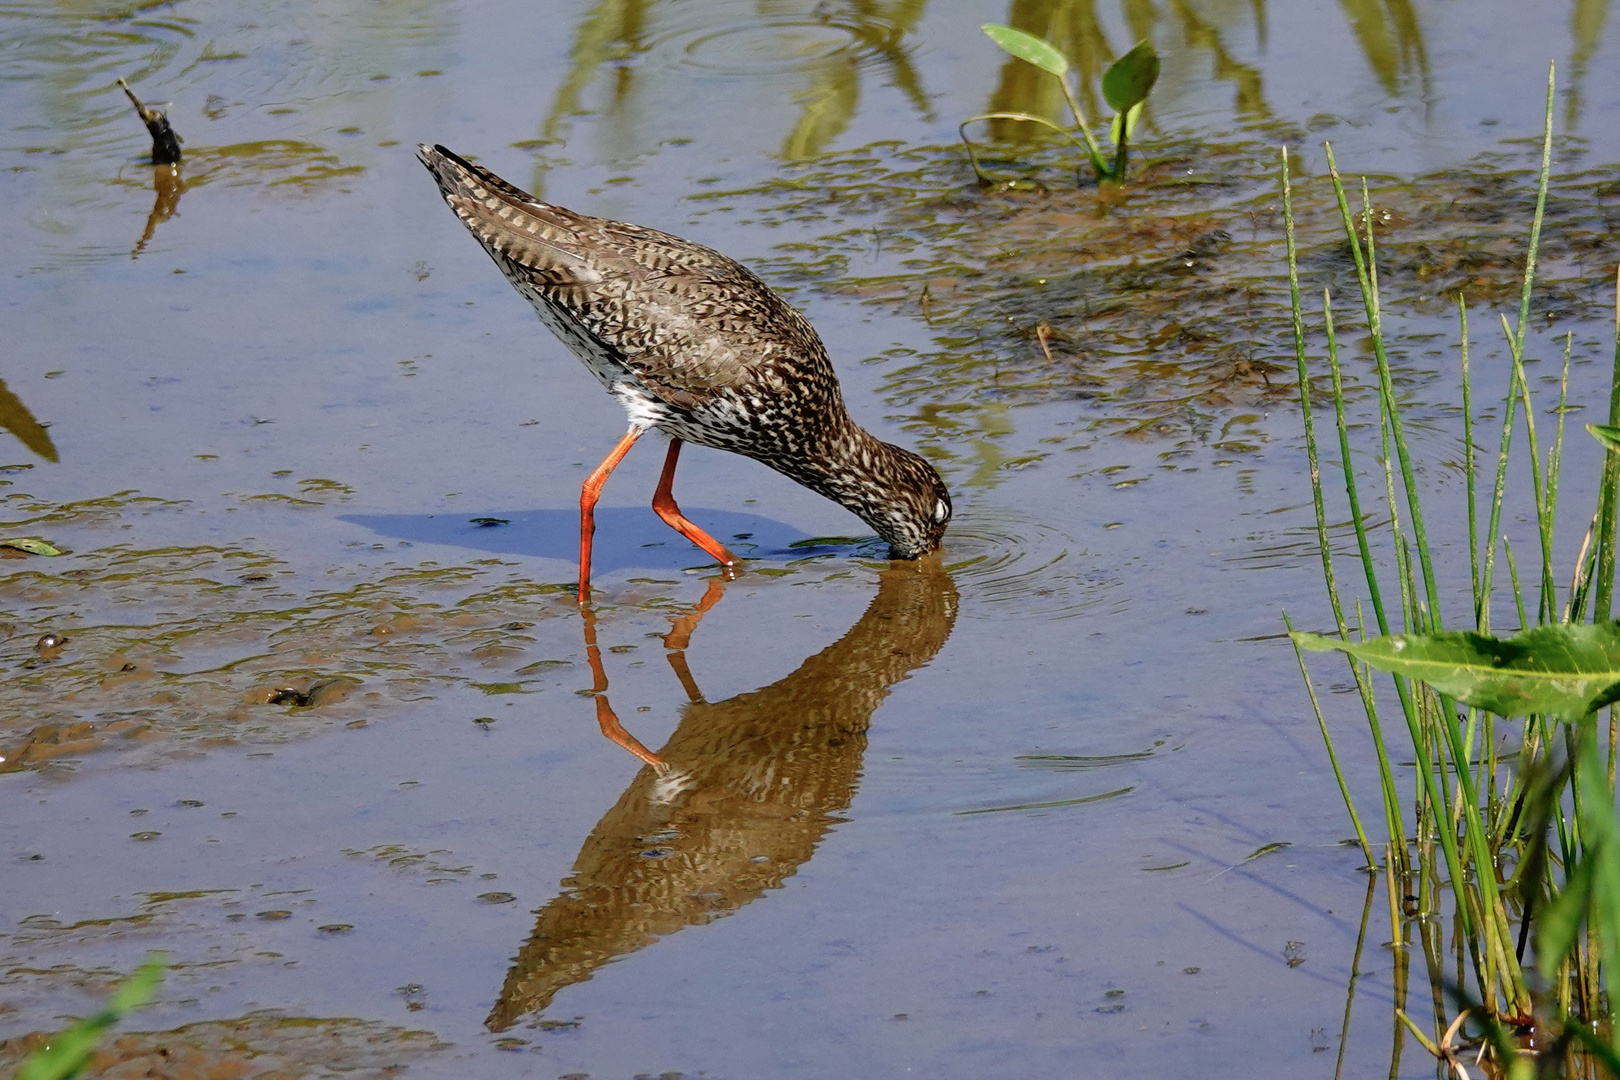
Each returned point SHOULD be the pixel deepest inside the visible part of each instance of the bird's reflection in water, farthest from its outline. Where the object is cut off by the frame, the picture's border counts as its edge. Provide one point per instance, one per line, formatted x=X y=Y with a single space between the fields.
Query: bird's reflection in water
x=736 y=800
x=168 y=184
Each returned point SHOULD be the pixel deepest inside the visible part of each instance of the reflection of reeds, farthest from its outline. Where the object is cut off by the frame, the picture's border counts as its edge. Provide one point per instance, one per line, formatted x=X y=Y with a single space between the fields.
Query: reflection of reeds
x=1388 y=33
x=829 y=103
x=753 y=784
x=1586 y=19
x=611 y=30
x=1202 y=34
x=15 y=418
x=1390 y=38
x=614 y=30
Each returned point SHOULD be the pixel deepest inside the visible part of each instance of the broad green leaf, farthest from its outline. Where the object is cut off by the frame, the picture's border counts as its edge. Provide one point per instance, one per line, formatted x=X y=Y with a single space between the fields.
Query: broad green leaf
x=67 y=1053
x=1561 y=670
x=1128 y=79
x=1606 y=434
x=31 y=544
x=1028 y=47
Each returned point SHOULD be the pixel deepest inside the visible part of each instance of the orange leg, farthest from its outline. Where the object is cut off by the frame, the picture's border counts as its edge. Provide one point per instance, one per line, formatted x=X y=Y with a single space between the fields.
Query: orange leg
x=587 y=507
x=664 y=505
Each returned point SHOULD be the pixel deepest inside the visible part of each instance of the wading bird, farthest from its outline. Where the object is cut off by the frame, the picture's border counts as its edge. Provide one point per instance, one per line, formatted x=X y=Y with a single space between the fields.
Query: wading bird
x=693 y=344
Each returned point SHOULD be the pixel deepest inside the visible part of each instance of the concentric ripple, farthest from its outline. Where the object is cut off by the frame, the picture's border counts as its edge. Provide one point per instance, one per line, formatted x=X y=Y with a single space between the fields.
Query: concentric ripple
x=1006 y=562
x=768 y=47
x=735 y=39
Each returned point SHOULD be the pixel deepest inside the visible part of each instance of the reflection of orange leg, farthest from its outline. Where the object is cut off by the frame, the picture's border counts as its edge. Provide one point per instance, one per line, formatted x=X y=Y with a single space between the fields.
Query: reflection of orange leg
x=664 y=504
x=614 y=730
x=680 y=630
x=593 y=651
x=606 y=719
x=680 y=636
x=587 y=507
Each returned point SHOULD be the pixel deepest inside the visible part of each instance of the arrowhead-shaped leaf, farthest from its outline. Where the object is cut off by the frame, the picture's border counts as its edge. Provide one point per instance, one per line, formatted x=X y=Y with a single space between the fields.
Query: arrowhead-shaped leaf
x=1028 y=47
x=1127 y=81
x=1560 y=670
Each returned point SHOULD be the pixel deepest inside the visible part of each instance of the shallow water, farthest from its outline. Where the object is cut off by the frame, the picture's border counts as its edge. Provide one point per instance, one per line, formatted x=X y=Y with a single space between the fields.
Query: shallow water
x=323 y=726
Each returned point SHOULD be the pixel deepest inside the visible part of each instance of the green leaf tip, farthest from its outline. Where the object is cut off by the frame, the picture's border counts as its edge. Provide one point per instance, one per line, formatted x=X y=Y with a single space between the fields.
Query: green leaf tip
x=1607 y=434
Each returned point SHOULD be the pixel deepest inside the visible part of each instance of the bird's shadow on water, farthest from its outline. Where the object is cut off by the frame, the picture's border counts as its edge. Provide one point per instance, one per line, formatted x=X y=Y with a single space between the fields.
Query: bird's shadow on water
x=627 y=537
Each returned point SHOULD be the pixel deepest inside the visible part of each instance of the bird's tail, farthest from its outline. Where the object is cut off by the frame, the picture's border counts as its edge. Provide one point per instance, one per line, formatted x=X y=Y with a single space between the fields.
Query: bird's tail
x=508 y=221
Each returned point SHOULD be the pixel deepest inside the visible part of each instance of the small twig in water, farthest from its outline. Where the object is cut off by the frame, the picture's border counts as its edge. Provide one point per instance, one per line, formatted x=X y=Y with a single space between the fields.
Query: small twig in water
x=1043 y=334
x=165 y=143
x=1266 y=849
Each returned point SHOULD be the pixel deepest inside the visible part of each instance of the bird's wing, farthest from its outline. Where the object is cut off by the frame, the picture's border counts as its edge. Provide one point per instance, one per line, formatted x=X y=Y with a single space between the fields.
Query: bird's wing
x=685 y=319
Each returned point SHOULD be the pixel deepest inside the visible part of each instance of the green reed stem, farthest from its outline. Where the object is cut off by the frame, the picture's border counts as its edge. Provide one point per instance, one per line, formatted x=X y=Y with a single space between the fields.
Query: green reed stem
x=1511 y=401
x=1543 y=522
x=1321 y=514
x=1367 y=277
x=1492 y=958
x=1369 y=701
x=1392 y=810
x=1555 y=459
x=1468 y=459
x=1603 y=598
x=1513 y=577
x=1333 y=757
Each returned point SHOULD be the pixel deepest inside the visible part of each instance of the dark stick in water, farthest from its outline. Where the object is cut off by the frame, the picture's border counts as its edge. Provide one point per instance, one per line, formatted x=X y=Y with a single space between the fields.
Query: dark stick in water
x=165 y=143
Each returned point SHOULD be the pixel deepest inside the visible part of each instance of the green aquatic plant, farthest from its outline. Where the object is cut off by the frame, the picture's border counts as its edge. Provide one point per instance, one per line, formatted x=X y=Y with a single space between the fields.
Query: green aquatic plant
x=67 y=1053
x=1565 y=670
x=1520 y=825
x=1125 y=86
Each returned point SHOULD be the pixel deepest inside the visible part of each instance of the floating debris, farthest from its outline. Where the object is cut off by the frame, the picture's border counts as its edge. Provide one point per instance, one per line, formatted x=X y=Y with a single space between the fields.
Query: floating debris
x=32 y=545
x=165 y=142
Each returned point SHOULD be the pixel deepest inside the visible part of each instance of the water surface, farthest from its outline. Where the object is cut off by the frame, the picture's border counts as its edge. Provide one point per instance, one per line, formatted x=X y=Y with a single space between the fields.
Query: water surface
x=323 y=726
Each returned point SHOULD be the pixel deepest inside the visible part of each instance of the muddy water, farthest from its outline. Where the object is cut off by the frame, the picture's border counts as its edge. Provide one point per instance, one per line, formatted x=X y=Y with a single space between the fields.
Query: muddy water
x=323 y=727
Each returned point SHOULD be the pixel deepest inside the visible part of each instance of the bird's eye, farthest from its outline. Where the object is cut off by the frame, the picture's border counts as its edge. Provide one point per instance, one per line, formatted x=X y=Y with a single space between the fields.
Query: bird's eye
x=941 y=511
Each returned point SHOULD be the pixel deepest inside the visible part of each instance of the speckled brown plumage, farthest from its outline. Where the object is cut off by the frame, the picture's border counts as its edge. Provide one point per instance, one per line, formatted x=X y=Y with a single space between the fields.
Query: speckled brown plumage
x=693 y=344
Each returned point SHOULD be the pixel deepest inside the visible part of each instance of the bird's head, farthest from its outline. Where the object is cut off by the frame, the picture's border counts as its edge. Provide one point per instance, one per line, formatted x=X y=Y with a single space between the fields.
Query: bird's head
x=914 y=512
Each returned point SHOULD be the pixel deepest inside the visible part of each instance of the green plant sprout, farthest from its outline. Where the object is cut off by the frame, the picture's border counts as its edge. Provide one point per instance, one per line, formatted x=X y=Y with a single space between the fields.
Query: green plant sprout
x=1125 y=86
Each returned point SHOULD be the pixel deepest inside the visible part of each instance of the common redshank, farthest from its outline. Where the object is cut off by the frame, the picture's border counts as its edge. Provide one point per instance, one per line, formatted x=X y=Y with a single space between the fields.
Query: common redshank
x=693 y=344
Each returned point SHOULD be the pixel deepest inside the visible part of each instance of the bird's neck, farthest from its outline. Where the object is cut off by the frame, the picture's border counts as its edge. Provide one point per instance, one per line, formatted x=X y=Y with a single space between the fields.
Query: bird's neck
x=855 y=469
